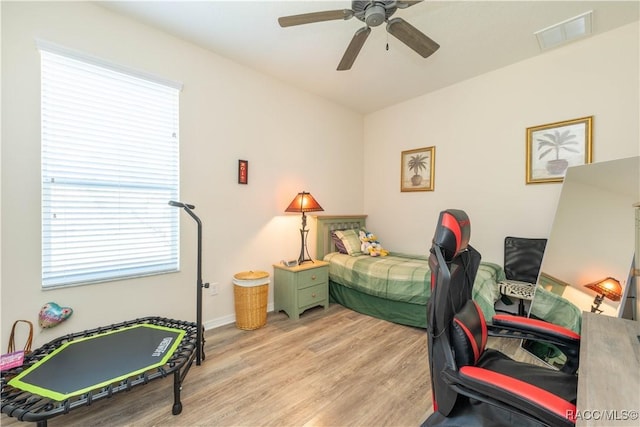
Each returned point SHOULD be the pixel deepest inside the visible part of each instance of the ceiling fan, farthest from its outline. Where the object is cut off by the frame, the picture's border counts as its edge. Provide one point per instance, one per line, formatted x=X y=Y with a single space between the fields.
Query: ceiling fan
x=372 y=13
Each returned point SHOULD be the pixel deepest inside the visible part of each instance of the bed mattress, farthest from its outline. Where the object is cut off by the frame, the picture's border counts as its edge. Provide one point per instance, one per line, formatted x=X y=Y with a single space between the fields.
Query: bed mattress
x=406 y=278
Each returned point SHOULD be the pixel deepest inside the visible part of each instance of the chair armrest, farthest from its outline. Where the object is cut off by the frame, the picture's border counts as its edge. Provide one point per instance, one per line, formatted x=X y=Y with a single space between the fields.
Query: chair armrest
x=536 y=326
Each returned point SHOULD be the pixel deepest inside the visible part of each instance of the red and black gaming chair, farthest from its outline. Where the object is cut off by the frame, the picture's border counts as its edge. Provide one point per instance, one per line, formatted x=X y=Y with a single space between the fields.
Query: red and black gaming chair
x=477 y=386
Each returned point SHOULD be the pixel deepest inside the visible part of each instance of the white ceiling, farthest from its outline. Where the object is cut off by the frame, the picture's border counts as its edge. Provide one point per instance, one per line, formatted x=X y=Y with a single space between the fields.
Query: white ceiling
x=475 y=37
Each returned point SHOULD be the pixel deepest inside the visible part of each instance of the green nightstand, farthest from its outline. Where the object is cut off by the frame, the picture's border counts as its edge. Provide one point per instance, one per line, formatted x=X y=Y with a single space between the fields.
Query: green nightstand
x=299 y=288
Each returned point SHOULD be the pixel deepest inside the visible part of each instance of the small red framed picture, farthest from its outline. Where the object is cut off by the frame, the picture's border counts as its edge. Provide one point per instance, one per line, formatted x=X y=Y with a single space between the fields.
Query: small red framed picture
x=243 y=171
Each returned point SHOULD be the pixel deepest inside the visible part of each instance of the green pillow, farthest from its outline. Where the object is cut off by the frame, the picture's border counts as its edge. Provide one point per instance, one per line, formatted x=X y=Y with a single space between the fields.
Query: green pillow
x=351 y=241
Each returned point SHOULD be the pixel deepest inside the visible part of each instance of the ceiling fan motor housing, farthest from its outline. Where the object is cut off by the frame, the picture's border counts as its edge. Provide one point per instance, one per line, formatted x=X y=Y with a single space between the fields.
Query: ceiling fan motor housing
x=373 y=13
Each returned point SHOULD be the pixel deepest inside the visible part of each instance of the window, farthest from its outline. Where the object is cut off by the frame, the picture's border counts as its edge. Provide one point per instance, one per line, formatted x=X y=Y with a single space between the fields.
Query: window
x=109 y=167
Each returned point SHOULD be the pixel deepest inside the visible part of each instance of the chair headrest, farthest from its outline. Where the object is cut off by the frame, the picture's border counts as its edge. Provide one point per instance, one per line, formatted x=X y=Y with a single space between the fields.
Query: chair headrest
x=452 y=233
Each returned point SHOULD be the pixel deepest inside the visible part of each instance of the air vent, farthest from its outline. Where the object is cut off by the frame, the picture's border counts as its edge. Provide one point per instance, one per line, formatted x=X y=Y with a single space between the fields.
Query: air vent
x=566 y=31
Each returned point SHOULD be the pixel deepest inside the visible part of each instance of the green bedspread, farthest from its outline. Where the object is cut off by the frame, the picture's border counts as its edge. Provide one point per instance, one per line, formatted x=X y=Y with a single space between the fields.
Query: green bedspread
x=406 y=278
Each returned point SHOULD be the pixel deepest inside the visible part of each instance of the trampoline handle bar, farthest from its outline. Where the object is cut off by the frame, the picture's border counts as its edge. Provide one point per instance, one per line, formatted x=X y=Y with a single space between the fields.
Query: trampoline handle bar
x=199 y=285
x=181 y=205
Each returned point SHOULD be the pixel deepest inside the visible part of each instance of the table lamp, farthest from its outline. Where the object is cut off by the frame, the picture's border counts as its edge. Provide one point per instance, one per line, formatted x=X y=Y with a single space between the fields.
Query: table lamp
x=304 y=202
x=606 y=288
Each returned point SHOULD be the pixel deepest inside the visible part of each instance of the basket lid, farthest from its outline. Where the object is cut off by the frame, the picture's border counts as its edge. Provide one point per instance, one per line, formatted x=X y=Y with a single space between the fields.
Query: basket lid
x=251 y=275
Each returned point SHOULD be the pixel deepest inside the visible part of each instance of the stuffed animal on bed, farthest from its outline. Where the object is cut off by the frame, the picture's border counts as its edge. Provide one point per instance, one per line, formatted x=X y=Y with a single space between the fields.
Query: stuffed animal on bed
x=370 y=244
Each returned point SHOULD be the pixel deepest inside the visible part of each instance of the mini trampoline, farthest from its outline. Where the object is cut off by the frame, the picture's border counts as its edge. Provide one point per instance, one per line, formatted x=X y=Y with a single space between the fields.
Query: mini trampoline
x=78 y=369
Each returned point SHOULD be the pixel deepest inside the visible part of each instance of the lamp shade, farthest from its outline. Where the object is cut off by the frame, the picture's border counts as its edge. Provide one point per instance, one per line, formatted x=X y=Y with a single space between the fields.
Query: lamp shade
x=304 y=202
x=610 y=288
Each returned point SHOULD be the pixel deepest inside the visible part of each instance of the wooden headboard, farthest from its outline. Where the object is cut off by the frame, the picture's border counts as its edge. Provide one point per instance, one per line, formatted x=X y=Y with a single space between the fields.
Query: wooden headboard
x=325 y=224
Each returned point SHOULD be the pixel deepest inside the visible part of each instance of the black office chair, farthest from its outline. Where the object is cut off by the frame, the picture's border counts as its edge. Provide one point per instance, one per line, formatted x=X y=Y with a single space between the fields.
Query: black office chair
x=474 y=385
x=522 y=260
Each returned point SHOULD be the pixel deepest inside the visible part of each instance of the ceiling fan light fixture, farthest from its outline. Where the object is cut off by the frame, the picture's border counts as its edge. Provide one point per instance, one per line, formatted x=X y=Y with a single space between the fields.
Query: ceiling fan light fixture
x=565 y=31
x=375 y=15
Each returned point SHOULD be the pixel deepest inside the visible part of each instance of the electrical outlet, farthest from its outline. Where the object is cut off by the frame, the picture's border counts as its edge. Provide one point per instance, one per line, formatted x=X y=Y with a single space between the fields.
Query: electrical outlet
x=213 y=289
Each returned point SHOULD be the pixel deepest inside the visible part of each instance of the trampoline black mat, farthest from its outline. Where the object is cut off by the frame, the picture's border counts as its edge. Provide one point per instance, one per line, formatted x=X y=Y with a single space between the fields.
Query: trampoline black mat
x=88 y=363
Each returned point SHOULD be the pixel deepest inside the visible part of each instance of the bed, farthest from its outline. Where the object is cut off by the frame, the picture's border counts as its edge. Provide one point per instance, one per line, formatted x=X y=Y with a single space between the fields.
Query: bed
x=105 y=361
x=394 y=287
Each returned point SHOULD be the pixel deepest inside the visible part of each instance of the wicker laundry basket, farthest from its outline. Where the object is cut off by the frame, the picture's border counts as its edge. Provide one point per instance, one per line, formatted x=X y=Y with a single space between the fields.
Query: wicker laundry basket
x=251 y=291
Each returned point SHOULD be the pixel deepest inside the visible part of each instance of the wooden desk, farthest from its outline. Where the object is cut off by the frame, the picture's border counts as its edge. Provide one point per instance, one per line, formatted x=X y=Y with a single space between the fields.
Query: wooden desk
x=609 y=373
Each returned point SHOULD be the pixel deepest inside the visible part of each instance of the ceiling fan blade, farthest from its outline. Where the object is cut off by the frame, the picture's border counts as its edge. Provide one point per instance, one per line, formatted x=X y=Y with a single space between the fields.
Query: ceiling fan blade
x=309 y=18
x=354 y=48
x=412 y=37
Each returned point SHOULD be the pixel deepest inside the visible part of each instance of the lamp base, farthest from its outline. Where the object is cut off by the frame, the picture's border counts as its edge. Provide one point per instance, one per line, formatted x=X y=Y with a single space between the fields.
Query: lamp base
x=595 y=308
x=304 y=252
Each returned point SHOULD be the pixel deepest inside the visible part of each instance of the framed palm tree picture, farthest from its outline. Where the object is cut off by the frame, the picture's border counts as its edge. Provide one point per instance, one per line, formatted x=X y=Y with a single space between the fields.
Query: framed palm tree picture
x=552 y=148
x=417 y=169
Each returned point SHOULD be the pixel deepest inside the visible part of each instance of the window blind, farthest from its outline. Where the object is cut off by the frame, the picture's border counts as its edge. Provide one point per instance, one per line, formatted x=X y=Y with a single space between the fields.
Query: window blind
x=109 y=167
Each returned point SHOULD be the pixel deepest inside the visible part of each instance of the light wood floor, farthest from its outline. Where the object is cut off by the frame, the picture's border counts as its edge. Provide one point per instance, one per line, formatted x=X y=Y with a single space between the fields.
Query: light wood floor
x=330 y=368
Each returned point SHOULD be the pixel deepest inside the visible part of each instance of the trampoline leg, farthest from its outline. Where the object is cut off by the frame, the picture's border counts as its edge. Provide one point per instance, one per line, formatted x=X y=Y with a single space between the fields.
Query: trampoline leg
x=177 y=385
x=42 y=423
x=202 y=345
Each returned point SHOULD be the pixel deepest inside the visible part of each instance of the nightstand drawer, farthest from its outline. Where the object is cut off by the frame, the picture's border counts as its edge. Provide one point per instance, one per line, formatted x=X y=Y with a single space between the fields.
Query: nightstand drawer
x=312 y=295
x=312 y=277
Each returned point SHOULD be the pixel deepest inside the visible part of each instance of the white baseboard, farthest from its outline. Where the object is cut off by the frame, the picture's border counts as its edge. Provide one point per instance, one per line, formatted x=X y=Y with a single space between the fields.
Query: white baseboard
x=226 y=320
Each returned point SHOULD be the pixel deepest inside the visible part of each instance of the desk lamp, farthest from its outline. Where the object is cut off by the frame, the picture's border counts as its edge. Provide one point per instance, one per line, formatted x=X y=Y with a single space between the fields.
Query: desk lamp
x=606 y=288
x=304 y=202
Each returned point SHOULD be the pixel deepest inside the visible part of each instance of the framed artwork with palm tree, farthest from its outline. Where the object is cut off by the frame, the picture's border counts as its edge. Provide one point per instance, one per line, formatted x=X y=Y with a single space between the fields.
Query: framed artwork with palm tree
x=552 y=148
x=417 y=169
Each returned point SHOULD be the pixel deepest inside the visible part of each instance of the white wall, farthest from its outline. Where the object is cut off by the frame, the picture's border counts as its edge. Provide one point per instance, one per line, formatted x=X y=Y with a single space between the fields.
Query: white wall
x=478 y=128
x=228 y=112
